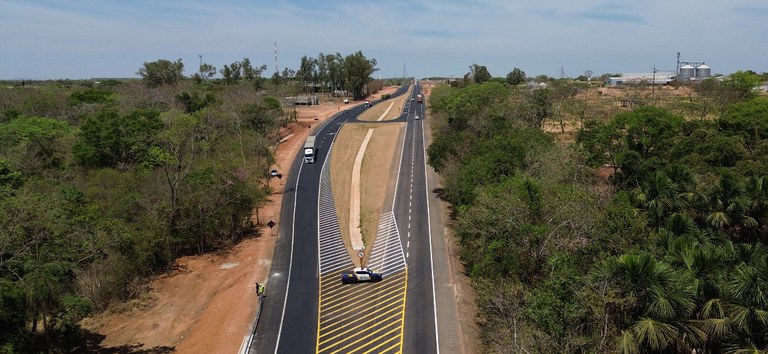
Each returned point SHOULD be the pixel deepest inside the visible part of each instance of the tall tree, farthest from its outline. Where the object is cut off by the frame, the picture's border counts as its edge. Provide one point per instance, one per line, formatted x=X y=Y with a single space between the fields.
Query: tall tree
x=108 y=139
x=34 y=143
x=161 y=72
x=480 y=74
x=515 y=77
x=357 y=72
x=183 y=140
x=232 y=73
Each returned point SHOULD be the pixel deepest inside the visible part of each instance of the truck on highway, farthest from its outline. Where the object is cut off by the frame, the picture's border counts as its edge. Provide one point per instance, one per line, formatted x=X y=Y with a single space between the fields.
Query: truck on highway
x=419 y=98
x=359 y=275
x=309 y=149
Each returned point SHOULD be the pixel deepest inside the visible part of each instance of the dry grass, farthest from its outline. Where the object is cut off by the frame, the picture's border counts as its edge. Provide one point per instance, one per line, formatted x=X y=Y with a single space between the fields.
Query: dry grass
x=372 y=114
x=376 y=170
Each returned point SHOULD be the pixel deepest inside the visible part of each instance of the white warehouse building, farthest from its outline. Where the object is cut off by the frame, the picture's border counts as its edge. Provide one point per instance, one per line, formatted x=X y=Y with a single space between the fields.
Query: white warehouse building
x=658 y=78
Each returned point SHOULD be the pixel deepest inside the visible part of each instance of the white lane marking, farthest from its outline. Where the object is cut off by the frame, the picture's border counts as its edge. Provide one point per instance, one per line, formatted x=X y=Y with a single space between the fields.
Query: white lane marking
x=290 y=259
x=431 y=259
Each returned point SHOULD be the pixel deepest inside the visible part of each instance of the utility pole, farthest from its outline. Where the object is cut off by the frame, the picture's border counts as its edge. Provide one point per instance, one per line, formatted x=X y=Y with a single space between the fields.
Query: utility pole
x=653 y=84
x=200 y=68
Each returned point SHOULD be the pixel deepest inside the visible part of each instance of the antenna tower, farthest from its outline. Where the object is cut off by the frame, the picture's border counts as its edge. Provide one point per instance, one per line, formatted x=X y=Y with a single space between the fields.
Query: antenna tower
x=277 y=71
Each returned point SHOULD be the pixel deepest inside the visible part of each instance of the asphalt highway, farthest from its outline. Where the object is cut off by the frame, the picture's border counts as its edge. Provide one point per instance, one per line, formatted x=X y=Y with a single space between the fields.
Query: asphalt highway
x=290 y=320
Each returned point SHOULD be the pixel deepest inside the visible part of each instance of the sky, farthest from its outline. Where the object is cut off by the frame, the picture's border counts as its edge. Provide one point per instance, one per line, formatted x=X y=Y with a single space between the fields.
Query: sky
x=82 y=39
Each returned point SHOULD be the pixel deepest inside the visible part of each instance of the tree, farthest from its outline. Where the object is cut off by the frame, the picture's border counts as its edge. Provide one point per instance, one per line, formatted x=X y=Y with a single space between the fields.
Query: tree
x=648 y=135
x=108 y=139
x=668 y=191
x=743 y=83
x=161 y=72
x=747 y=120
x=601 y=143
x=480 y=74
x=252 y=74
x=660 y=302
x=306 y=72
x=183 y=140
x=232 y=73
x=193 y=102
x=335 y=64
x=260 y=118
x=558 y=309
x=540 y=104
x=728 y=207
x=34 y=143
x=357 y=73
x=206 y=72
x=515 y=77
x=9 y=177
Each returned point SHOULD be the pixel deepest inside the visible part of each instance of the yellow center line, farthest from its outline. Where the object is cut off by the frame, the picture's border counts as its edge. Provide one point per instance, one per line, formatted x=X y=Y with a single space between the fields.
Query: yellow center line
x=402 y=320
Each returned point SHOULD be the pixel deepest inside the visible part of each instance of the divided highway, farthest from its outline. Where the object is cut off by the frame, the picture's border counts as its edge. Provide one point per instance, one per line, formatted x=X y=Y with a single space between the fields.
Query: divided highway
x=307 y=309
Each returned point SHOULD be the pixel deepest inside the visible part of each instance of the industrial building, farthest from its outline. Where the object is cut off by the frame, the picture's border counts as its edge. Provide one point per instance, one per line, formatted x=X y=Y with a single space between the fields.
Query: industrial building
x=686 y=71
x=657 y=78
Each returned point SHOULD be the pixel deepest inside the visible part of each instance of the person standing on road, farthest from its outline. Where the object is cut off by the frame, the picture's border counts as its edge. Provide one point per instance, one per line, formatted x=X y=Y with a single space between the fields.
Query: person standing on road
x=259 y=289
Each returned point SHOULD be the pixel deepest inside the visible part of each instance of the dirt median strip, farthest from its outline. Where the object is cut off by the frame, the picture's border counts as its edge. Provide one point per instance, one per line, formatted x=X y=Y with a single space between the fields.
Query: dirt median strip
x=356 y=236
x=376 y=168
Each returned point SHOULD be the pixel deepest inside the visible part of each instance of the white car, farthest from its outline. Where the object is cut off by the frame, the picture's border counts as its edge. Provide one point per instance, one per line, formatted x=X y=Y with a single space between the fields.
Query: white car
x=360 y=275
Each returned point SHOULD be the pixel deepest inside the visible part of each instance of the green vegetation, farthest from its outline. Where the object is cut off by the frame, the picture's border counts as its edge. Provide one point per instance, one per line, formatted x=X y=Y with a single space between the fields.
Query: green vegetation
x=103 y=185
x=340 y=75
x=667 y=255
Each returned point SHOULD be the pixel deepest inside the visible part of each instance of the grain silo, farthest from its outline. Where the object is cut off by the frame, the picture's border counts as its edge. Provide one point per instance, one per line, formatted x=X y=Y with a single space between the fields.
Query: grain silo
x=687 y=72
x=703 y=71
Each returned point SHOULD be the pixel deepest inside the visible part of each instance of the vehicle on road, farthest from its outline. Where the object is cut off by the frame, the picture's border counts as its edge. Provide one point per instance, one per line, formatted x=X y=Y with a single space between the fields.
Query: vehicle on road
x=419 y=98
x=367 y=103
x=309 y=149
x=359 y=275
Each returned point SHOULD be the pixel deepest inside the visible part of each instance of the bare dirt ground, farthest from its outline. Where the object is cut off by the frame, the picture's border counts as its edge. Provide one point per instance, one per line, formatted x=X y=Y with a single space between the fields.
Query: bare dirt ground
x=208 y=303
x=377 y=165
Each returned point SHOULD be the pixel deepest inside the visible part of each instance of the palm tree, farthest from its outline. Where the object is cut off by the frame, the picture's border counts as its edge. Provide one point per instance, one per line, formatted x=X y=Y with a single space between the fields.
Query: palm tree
x=748 y=295
x=728 y=207
x=662 y=303
x=756 y=191
x=659 y=196
x=736 y=321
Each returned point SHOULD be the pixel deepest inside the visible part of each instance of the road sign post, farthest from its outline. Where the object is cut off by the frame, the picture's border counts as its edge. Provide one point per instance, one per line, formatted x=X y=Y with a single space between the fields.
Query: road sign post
x=361 y=254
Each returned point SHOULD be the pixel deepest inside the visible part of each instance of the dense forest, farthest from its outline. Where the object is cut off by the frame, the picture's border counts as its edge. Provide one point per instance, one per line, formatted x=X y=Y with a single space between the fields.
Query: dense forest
x=644 y=231
x=105 y=183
